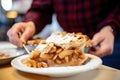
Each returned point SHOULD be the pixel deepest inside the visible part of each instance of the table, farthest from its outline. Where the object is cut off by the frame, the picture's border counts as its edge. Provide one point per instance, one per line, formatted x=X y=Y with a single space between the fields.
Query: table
x=7 y=72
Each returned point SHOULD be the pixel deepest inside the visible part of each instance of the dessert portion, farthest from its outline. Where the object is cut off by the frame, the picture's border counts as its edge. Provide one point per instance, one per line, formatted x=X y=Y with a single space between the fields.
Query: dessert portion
x=2 y=55
x=34 y=41
x=60 y=49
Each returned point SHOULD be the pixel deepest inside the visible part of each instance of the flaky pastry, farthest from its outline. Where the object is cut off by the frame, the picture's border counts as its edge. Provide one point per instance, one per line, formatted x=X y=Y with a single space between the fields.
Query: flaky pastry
x=60 y=49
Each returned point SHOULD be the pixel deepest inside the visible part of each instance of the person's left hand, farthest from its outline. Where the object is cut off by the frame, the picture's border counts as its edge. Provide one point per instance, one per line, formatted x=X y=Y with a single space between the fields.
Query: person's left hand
x=105 y=40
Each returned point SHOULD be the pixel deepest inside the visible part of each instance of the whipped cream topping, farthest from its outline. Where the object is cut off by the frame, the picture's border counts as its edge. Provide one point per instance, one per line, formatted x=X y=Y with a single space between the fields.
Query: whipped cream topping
x=41 y=46
x=58 y=38
x=44 y=48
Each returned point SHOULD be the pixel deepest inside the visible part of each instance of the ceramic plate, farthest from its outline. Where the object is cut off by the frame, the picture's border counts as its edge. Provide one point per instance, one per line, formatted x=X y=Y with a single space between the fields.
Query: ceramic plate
x=7 y=48
x=94 y=63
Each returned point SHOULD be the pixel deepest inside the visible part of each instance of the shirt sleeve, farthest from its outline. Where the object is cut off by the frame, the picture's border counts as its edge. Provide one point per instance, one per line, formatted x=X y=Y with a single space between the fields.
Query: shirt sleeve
x=113 y=20
x=40 y=13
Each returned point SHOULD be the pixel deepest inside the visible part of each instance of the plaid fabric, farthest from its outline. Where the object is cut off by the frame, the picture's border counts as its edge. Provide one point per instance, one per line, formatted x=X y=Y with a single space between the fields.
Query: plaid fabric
x=86 y=16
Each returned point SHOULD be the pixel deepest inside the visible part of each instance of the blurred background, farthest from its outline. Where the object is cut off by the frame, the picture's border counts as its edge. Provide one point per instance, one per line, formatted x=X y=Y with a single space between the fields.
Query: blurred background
x=13 y=11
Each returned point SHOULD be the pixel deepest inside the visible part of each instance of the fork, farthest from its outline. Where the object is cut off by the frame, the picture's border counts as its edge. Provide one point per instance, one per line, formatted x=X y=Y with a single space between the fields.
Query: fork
x=26 y=49
x=87 y=49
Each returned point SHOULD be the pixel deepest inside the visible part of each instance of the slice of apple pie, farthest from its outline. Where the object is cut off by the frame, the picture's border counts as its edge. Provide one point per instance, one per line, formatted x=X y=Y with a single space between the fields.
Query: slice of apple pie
x=60 y=49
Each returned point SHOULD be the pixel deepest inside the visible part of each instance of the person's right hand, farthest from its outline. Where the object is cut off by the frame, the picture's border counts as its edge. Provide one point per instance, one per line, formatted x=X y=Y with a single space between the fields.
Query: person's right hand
x=27 y=30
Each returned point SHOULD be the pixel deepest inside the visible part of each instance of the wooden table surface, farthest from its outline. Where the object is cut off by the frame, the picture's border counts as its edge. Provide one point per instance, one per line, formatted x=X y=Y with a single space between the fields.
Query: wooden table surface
x=7 y=72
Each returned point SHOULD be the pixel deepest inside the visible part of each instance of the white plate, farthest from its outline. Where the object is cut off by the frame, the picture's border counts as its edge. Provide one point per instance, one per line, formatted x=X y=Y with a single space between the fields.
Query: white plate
x=6 y=44
x=94 y=63
x=9 y=49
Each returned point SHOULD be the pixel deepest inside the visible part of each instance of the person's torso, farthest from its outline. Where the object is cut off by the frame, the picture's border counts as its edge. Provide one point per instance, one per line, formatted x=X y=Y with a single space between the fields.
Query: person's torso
x=82 y=15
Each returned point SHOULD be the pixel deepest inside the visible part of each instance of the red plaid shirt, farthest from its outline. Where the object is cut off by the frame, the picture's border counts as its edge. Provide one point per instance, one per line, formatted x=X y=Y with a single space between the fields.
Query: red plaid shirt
x=86 y=16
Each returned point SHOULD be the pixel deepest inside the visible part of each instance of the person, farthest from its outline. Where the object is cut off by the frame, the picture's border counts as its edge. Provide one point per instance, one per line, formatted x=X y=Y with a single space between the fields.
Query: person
x=99 y=19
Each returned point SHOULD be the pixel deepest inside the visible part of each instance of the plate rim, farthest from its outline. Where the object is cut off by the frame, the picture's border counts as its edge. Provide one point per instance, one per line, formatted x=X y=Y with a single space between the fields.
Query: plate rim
x=15 y=54
x=12 y=56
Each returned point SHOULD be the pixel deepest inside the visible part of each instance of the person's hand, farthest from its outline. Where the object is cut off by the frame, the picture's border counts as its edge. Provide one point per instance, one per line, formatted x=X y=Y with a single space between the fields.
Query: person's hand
x=105 y=40
x=27 y=30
